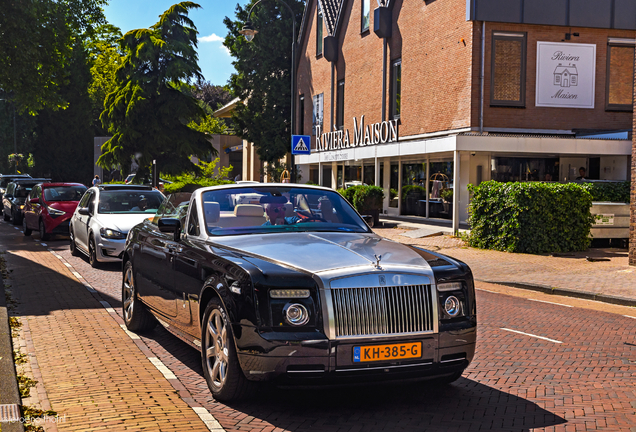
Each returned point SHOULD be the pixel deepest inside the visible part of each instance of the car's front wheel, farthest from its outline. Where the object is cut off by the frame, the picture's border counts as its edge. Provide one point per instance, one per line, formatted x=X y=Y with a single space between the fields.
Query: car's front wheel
x=72 y=244
x=5 y=216
x=43 y=234
x=136 y=316
x=25 y=229
x=92 y=253
x=220 y=362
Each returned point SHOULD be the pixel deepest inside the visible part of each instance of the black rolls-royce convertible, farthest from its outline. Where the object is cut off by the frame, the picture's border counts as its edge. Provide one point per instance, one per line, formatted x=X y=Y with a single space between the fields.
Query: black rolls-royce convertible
x=287 y=283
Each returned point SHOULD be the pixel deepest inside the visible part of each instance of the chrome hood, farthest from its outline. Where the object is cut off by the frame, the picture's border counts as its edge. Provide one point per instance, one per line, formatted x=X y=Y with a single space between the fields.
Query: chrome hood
x=319 y=251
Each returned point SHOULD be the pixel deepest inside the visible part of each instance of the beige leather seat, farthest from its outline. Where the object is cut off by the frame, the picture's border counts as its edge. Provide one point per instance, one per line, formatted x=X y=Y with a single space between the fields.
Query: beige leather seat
x=244 y=215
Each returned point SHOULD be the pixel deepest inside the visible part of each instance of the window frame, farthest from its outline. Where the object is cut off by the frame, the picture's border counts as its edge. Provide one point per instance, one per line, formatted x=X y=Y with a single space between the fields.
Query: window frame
x=340 y=90
x=364 y=29
x=319 y=28
x=395 y=111
x=616 y=42
x=511 y=36
x=317 y=121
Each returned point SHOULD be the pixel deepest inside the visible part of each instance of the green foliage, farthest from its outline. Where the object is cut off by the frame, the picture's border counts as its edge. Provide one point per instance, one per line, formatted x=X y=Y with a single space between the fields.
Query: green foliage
x=412 y=190
x=613 y=192
x=209 y=175
x=37 y=43
x=447 y=194
x=20 y=162
x=530 y=217
x=368 y=198
x=263 y=80
x=349 y=193
x=148 y=113
x=393 y=193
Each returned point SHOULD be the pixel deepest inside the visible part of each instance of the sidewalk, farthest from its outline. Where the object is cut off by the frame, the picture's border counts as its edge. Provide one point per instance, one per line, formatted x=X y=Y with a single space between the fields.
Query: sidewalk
x=595 y=274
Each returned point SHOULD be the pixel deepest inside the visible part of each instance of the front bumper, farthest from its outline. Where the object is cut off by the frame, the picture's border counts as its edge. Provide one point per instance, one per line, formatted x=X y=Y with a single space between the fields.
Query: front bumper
x=109 y=250
x=288 y=359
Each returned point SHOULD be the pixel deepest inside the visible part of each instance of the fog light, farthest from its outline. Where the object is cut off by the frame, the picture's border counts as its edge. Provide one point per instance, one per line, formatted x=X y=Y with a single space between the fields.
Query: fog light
x=296 y=314
x=452 y=306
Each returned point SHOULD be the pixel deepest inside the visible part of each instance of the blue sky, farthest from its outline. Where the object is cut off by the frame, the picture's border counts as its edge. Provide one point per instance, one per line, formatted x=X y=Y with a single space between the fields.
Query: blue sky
x=214 y=60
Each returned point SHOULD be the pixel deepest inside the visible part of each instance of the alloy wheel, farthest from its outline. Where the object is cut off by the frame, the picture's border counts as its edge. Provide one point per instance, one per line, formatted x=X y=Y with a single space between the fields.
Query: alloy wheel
x=217 y=349
x=92 y=253
x=128 y=295
x=43 y=234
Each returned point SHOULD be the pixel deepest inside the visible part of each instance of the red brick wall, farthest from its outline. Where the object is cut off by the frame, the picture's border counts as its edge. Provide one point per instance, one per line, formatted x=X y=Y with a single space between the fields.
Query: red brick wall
x=555 y=118
x=632 y=222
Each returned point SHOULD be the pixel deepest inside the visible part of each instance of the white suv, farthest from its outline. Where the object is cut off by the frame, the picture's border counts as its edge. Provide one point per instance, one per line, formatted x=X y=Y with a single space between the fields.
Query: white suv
x=104 y=216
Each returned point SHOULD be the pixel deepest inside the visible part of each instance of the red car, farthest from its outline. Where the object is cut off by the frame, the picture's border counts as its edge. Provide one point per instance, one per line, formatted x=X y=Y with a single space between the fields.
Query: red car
x=49 y=208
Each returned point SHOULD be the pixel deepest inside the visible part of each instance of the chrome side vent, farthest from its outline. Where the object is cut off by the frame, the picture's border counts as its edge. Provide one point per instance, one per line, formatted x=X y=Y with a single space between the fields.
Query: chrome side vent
x=382 y=310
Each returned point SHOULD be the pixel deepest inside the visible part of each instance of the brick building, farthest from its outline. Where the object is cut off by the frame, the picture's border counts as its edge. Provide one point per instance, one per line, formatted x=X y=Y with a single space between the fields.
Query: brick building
x=433 y=95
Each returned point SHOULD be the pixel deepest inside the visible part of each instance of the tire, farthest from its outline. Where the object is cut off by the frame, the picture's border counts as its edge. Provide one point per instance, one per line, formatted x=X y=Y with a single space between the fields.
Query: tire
x=92 y=253
x=72 y=245
x=43 y=235
x=25 y=230
x=218 y=355
x=5 y=216
x=15 y=220
x=136 y=316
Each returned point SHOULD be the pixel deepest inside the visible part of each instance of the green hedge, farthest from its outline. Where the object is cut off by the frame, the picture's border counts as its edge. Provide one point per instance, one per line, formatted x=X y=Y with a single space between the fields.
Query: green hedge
x=530 y=217
x=363 y=197
x=190 y=185
x=614 y=191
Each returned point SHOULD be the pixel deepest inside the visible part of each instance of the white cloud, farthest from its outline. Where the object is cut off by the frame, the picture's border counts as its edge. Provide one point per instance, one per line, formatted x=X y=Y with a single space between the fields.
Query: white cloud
x=211 y=38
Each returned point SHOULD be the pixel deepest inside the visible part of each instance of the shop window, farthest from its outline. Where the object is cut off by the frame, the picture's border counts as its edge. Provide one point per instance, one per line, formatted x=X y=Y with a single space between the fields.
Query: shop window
x=366 y=15
x=301 y=114
x=509 y=169
x=508 y=70
x=393 y=185
x=620 y=75
x=340 y=105
x=319 y=25
x=396 y=89
x=317 y=112
x=369 y=174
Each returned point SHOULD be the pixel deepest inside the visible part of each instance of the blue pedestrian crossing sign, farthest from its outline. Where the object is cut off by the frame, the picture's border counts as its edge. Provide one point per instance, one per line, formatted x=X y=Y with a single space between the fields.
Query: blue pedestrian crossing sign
x=301 y=144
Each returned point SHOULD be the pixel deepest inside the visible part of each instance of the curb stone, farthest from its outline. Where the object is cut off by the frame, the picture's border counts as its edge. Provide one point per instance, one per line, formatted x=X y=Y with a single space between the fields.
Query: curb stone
x=9 y=394
x=622 y=301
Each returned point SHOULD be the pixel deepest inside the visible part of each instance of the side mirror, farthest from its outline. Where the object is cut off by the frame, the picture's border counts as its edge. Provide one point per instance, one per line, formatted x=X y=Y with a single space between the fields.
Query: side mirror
x=84 y=211
x=34 y=200
x=170 y=225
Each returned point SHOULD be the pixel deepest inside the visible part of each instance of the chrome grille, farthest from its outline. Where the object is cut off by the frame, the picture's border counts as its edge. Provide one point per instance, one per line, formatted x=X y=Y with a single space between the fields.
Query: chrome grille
x=382 y=310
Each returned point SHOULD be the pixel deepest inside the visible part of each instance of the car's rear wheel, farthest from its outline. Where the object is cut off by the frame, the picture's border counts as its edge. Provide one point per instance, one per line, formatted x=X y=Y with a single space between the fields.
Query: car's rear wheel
x=43 y=234
x=220 y=362
x=72 y=244
x=25 y=229
x=136 y=316
x=92 y=253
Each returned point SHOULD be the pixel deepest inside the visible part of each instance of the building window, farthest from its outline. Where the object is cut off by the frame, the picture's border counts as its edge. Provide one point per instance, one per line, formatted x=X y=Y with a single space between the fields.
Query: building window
x=340 y=105
x=620 y=75
x=396 y=89
x=317 y=112
x=366 y=15
x=319 y=25
x=301 y=115
x=508 y=69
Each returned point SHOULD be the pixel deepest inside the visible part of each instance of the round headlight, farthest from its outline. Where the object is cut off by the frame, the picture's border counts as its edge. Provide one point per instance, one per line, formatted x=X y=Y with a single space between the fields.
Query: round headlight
x=452 y=306
x=296 y=314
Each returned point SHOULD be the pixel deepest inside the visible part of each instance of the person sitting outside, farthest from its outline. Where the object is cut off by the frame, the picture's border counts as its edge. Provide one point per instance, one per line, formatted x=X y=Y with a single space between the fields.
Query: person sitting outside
x=582 y=174
x=141 y=206
x=275 y=211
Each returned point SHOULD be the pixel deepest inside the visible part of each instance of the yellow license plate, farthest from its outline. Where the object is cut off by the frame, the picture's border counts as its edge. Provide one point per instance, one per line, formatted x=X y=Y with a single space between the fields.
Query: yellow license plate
x=400 y=351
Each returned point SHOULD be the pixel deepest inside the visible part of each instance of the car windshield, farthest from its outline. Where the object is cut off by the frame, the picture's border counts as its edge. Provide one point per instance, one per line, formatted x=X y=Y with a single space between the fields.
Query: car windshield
x=129 y=201
x=22 y=191
x=64 y=193
x=268 y=209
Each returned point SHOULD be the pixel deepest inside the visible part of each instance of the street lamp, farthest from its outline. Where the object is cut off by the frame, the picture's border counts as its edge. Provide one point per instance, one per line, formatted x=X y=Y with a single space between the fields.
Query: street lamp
x=249 y=32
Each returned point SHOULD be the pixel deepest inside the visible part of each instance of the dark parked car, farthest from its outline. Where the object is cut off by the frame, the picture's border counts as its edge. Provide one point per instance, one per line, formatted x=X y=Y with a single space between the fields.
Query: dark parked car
x=269 y=289
x=15 y=196
x=5 y=179
x=49 y=208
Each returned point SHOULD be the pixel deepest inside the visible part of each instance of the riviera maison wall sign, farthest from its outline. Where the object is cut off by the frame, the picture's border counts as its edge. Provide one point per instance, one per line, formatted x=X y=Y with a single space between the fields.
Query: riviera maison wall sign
x=565 y=75
x=376 y=133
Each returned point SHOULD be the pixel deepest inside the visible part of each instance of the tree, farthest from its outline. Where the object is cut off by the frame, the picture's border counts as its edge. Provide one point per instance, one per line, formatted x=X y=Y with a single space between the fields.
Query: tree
x=214 y=96
x=148 y=114
x=263 y=76
x=36 y=43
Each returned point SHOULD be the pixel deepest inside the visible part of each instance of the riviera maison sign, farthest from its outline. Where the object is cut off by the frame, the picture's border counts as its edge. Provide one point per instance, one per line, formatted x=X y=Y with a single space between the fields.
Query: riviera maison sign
x=565 y=75
x=371 y=134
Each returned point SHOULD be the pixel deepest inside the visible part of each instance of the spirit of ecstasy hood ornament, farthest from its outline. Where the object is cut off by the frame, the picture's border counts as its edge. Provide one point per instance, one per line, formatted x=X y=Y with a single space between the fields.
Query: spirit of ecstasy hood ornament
x=378 y=258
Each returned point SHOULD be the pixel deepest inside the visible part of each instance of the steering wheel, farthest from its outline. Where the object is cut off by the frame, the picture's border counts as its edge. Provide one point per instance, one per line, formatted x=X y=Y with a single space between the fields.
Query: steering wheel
x=311 y=219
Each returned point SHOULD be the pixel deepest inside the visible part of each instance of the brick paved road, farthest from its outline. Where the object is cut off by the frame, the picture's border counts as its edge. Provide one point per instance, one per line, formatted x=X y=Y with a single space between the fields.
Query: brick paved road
x=516 y=383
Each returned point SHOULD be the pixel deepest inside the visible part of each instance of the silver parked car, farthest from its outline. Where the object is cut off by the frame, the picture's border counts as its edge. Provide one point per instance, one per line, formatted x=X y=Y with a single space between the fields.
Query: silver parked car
x=287 y=283
x=104 y=216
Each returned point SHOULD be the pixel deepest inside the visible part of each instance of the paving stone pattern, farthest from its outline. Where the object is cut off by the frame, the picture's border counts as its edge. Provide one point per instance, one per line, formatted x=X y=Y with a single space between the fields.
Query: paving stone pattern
x=516 y=382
